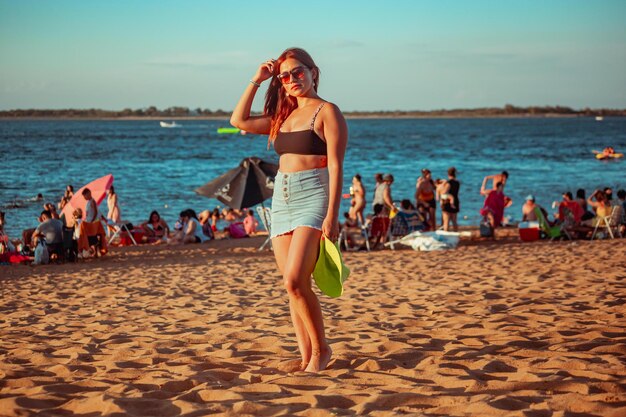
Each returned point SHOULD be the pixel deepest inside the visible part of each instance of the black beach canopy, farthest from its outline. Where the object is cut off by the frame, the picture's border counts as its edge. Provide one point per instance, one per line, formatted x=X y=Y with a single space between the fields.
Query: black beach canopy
x=251 y=183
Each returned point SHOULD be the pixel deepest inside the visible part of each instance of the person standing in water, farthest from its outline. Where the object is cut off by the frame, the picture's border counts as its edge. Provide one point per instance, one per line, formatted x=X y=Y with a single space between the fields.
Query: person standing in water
x=310 y=135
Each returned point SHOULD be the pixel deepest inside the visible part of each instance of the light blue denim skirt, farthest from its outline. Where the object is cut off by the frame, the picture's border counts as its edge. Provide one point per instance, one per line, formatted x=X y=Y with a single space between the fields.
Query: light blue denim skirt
x=300 y=199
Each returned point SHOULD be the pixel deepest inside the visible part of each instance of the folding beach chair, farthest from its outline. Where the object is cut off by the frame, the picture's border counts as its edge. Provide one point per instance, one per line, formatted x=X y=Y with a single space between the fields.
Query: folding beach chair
x=265 y=214
x=610 y=222
x=117 y=229
x=343 y=237
x=553 y=232
x=403 y=224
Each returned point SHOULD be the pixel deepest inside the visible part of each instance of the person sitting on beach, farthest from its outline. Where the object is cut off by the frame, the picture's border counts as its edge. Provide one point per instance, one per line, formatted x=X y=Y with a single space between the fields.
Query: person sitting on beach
x=357 y=205
x=250 y=223
x=598 y=201
x=205 y=221
x=608 y=192
x=230 y=215
x=569 y=205
x=5 y=243
x=215 y=217
x=495 y=179
x=408 y=219
x=192 y=229
x=155 y=228
x=581 y=199
x=528 y=209
x=493 y=207
x=379 y=226
x=425 y=196
x=50 y=229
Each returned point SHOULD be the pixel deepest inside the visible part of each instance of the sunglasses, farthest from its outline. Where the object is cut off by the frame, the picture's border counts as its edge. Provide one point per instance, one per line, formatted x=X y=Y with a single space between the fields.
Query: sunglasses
x=297 y=74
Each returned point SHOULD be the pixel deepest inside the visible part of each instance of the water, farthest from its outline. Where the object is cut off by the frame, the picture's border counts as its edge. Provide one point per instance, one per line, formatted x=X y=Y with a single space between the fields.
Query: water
x=157 y=168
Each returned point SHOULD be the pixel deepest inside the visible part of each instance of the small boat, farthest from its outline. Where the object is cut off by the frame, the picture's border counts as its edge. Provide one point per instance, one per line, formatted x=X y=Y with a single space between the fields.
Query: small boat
x=166 y=124
x=599 y=118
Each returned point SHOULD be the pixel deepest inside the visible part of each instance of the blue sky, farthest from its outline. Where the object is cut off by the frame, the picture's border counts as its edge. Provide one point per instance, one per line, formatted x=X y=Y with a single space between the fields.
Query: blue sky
x=373 y=55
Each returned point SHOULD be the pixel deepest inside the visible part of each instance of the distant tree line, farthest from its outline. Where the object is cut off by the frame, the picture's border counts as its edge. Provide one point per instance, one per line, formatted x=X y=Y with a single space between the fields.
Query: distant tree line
x=151 y=111
x=175 y=112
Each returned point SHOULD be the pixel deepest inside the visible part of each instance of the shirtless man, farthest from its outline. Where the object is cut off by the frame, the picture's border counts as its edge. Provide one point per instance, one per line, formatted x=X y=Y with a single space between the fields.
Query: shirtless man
x=497 y=178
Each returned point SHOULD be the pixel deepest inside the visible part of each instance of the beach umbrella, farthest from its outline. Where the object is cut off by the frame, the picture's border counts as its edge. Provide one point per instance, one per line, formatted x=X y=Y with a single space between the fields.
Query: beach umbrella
x=251 y=183
x=98 y=189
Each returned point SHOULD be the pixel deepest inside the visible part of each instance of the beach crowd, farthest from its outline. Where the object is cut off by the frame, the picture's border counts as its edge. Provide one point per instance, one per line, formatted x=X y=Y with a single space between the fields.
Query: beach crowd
x=68 y=233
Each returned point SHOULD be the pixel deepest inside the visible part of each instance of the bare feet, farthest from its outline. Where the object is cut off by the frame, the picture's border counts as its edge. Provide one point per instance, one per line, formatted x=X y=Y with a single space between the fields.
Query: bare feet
x=319 y=360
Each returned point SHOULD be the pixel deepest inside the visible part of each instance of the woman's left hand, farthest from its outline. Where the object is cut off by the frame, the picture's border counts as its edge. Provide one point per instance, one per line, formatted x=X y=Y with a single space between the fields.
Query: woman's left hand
x=330 y=228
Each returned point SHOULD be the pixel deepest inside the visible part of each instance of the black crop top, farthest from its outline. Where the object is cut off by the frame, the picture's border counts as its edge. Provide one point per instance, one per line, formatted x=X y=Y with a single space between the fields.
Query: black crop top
x=301 y=142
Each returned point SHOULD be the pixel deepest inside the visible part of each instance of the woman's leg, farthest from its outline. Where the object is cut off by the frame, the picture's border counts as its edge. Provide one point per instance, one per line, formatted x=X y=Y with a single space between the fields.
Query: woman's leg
x=446 y=220
x=432 y=212
x=301 y=259
x=281 y=250
x=455 y=225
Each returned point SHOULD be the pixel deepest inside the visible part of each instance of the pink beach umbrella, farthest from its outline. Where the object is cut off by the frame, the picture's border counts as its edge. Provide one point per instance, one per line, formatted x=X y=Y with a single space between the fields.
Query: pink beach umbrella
x=98 y=189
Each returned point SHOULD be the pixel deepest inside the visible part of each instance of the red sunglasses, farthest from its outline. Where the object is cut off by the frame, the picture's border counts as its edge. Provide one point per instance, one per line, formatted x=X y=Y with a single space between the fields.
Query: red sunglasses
x=297 y=74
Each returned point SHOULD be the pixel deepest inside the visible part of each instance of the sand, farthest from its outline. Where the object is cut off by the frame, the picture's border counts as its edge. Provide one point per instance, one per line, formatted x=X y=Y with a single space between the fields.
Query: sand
x=516 y=329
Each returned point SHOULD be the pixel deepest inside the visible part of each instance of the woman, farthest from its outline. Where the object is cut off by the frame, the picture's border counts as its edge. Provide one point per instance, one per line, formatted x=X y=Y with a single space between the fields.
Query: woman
x=601 y=206
x=581 y=199
x=450 y=209
x=310 y=135
x=493 y=207
x=114 y=210
x=358 y=200
x=155 y=228
x=425 y=197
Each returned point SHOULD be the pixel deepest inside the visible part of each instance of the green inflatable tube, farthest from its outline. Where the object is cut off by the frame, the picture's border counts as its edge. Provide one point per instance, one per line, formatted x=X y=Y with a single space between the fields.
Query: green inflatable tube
x=226 y=130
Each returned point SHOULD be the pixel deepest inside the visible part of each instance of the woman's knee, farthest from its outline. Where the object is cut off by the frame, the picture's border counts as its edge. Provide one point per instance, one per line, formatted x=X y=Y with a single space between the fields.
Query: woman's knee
x=294 y=284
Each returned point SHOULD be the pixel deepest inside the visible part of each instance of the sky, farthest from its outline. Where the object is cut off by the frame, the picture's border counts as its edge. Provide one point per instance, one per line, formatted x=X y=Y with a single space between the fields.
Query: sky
x=373 y=55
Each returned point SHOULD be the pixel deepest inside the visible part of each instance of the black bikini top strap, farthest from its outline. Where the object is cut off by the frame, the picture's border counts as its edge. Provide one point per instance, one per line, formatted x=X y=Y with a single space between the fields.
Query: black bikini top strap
x=315 y=114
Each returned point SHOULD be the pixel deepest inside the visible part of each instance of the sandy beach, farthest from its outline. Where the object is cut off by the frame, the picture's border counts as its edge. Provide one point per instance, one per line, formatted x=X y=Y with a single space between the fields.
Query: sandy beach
x=509 y=328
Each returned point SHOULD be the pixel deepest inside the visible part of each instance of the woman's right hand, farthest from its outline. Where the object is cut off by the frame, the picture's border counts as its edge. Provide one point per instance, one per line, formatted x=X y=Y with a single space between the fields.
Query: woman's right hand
x=265 y=71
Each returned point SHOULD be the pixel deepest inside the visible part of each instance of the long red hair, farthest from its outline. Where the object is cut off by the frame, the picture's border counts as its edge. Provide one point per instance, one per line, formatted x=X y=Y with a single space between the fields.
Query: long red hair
x=279 y=104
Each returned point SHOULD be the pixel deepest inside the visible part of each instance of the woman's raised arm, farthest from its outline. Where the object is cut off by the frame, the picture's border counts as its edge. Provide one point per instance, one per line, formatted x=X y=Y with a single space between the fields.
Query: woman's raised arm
x=241 y=114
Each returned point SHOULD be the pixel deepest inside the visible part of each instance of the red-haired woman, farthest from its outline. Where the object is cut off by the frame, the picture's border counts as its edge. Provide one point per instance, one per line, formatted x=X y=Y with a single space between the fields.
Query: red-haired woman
x=310 y=135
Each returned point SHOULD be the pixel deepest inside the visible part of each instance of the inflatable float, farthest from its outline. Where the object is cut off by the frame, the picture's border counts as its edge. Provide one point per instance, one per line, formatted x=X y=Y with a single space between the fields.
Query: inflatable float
x=602 y=156
x=227 y=130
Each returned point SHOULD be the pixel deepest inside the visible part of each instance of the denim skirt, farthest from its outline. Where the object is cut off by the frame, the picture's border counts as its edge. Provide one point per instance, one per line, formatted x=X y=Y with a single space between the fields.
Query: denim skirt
x=300 y=199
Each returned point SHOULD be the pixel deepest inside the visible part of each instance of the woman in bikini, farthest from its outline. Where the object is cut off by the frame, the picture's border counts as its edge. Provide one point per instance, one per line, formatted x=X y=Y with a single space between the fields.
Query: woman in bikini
x=425 y=197
x=155 y=228
x=310 y=135
x=358 y=200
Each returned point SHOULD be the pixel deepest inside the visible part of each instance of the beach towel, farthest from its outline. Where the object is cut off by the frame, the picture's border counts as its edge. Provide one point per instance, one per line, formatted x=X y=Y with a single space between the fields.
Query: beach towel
x=91 y=229
x=494 y=204
x=237 y=230
x=430 y=241
x=575 y=208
